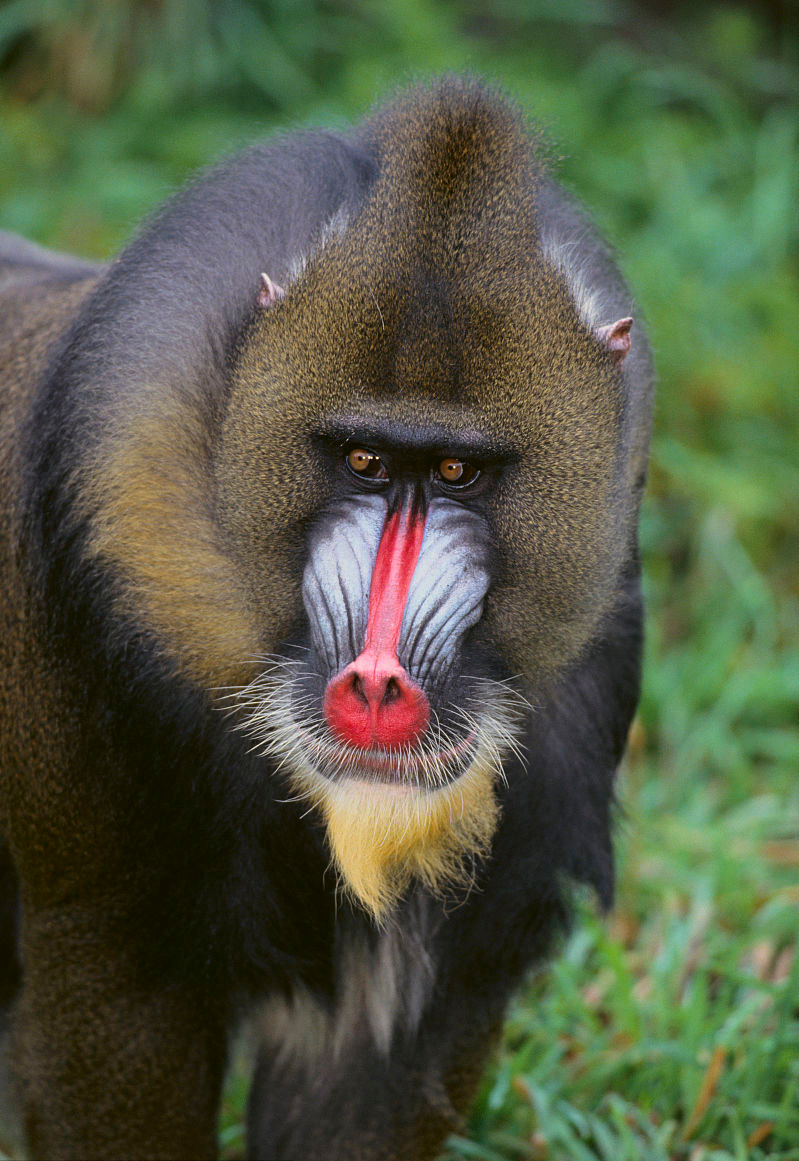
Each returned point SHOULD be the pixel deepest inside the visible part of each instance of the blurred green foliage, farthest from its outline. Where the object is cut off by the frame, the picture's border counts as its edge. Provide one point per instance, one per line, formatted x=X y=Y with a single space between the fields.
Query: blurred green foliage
x=673 y=1033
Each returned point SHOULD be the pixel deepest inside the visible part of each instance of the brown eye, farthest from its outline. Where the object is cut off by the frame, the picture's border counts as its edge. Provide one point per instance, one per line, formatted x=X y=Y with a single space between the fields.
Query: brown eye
x=366 y=464
x=457 y=472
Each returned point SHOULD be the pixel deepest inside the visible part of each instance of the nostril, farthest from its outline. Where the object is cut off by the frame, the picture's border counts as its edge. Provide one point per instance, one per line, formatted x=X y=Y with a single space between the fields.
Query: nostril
x=393 y=692
x=358 y=690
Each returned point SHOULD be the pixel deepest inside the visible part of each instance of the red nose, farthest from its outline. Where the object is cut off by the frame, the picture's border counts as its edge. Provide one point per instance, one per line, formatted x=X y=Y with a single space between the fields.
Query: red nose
x=373 y=702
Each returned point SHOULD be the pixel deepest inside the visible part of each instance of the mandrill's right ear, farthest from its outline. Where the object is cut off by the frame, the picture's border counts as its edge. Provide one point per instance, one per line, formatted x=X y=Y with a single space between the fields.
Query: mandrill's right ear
x=615 y=337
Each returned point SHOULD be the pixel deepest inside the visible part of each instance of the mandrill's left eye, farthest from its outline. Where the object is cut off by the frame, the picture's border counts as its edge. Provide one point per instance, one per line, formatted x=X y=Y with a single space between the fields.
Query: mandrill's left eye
x=366 y=465
x=457 y=473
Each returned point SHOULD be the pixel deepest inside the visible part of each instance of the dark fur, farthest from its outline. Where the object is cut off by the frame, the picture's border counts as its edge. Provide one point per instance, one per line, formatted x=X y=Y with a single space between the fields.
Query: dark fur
x=165 y=885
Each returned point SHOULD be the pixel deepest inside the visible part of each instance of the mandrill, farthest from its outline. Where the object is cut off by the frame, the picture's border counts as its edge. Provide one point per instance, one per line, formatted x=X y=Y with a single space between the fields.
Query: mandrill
x=321 y=634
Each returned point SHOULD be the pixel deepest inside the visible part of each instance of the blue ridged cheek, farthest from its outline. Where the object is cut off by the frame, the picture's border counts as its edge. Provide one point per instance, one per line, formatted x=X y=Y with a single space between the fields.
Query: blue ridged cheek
x=447 y=590
x=337 y=577
x=445 y=599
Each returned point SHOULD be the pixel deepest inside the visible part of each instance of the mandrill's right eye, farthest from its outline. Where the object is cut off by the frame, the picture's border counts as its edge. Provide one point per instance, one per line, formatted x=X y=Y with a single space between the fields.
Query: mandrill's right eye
x=366 y=465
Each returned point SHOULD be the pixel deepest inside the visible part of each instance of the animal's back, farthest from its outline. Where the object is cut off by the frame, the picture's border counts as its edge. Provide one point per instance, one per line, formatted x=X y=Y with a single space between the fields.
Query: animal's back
x=40 y=293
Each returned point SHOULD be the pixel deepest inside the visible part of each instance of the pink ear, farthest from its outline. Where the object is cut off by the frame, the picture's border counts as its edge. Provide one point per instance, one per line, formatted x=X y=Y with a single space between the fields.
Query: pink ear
x=269 y=293
x=615 y=337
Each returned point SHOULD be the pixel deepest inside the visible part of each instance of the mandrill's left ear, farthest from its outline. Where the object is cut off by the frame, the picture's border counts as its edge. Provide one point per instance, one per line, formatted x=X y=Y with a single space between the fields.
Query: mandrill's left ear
x=615 y=337
x=269 y=293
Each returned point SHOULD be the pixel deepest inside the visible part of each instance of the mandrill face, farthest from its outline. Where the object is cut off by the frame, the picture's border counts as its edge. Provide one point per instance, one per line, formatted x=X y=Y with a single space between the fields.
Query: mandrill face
x=425 y=473
x=378 y=722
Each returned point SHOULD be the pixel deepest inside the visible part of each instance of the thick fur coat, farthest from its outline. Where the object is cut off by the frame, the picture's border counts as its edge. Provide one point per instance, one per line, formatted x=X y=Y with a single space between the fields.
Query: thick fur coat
x=165 y=463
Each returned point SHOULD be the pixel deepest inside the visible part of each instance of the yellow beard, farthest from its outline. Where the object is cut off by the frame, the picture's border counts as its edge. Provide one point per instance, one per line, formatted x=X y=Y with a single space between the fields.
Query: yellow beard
x=382 y=835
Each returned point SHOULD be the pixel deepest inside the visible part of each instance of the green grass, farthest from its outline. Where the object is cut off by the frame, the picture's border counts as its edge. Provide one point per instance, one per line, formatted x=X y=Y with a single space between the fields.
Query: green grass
x=669 y=1031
